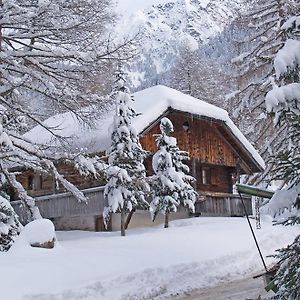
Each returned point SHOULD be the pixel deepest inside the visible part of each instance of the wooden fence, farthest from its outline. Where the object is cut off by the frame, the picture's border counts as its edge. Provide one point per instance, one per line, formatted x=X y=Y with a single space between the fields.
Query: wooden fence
x=229 y=205
x=65 y=204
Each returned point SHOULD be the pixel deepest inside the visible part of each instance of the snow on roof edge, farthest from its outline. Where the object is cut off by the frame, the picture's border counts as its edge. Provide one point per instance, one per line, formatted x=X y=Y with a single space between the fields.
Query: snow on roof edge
x=248 y=146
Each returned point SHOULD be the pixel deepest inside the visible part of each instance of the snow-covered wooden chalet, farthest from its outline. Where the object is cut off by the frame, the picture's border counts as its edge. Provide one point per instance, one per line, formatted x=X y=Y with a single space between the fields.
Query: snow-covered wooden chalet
x=219 y=153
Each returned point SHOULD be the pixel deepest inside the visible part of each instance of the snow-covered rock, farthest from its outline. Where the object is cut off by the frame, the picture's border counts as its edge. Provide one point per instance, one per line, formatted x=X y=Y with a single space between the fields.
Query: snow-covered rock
x=39 y=233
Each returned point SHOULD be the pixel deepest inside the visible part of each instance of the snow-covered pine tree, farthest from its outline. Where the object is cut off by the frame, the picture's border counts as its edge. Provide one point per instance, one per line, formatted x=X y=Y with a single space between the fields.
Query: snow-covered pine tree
x=10 y=226
x=187 y=194
x=126 y=186
x=170 y=185
x=283 y=101
x=264 y=38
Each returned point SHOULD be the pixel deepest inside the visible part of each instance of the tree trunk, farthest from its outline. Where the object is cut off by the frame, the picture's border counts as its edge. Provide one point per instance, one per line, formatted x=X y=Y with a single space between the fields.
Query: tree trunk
x=128 y=219
x=123 y=215
x=167 y=219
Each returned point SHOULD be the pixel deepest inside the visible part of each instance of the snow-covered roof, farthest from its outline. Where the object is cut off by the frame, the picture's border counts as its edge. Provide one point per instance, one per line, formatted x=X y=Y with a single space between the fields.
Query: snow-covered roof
x=151 y=103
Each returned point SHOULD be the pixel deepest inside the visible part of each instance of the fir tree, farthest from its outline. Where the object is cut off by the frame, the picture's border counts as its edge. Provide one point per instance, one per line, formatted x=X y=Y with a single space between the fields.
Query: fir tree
x=126 y=187
x=170 y=185
x=10 y=226
x=288 y=275
x=186 y=194
x=283 y=101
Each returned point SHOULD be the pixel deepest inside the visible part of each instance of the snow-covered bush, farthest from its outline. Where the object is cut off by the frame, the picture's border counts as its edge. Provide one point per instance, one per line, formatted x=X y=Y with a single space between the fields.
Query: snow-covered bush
x=10 y=226
x=170 y=185
x=126 y=173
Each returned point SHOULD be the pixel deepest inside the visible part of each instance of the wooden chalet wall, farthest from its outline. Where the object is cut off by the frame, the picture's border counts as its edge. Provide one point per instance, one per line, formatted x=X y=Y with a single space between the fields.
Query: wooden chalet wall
x=202 y=140
x=211 y=155
x=213 y=161
x=42 y=184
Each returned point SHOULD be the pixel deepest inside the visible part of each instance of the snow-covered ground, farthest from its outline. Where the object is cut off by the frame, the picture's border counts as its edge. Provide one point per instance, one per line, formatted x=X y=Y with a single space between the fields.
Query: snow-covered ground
x=150 y=263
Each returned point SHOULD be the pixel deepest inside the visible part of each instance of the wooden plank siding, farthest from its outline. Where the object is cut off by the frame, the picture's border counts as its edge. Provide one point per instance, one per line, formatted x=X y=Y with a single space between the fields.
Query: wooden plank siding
x=207 y=149
x=202 y=140
x=44 y=184
x=219 y=178
x=66 y=205
x=223 y=206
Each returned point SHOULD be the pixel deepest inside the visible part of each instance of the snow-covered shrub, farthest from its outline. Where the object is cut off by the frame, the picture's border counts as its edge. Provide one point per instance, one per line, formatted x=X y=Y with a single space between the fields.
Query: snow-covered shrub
x=10 y=226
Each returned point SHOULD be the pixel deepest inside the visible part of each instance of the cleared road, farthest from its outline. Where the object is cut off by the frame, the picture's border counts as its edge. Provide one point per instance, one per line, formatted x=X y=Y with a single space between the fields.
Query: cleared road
x=247 y=288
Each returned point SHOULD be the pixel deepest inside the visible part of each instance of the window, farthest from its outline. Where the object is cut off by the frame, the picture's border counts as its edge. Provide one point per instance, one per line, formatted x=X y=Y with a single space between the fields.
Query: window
x=35 y=182
x=30 y=182
x=206 y=175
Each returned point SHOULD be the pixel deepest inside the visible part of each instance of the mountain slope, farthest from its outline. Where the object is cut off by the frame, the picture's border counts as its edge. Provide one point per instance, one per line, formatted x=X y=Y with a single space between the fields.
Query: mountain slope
x=166 y=26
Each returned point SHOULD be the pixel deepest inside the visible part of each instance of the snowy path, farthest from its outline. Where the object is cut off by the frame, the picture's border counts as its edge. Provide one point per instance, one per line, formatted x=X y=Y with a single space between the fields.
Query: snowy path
x=247 y=288
x=150 y=263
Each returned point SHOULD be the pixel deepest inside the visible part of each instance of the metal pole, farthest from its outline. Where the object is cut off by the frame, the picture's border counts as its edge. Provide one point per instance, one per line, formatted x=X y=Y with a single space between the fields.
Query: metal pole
x=254 y=237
